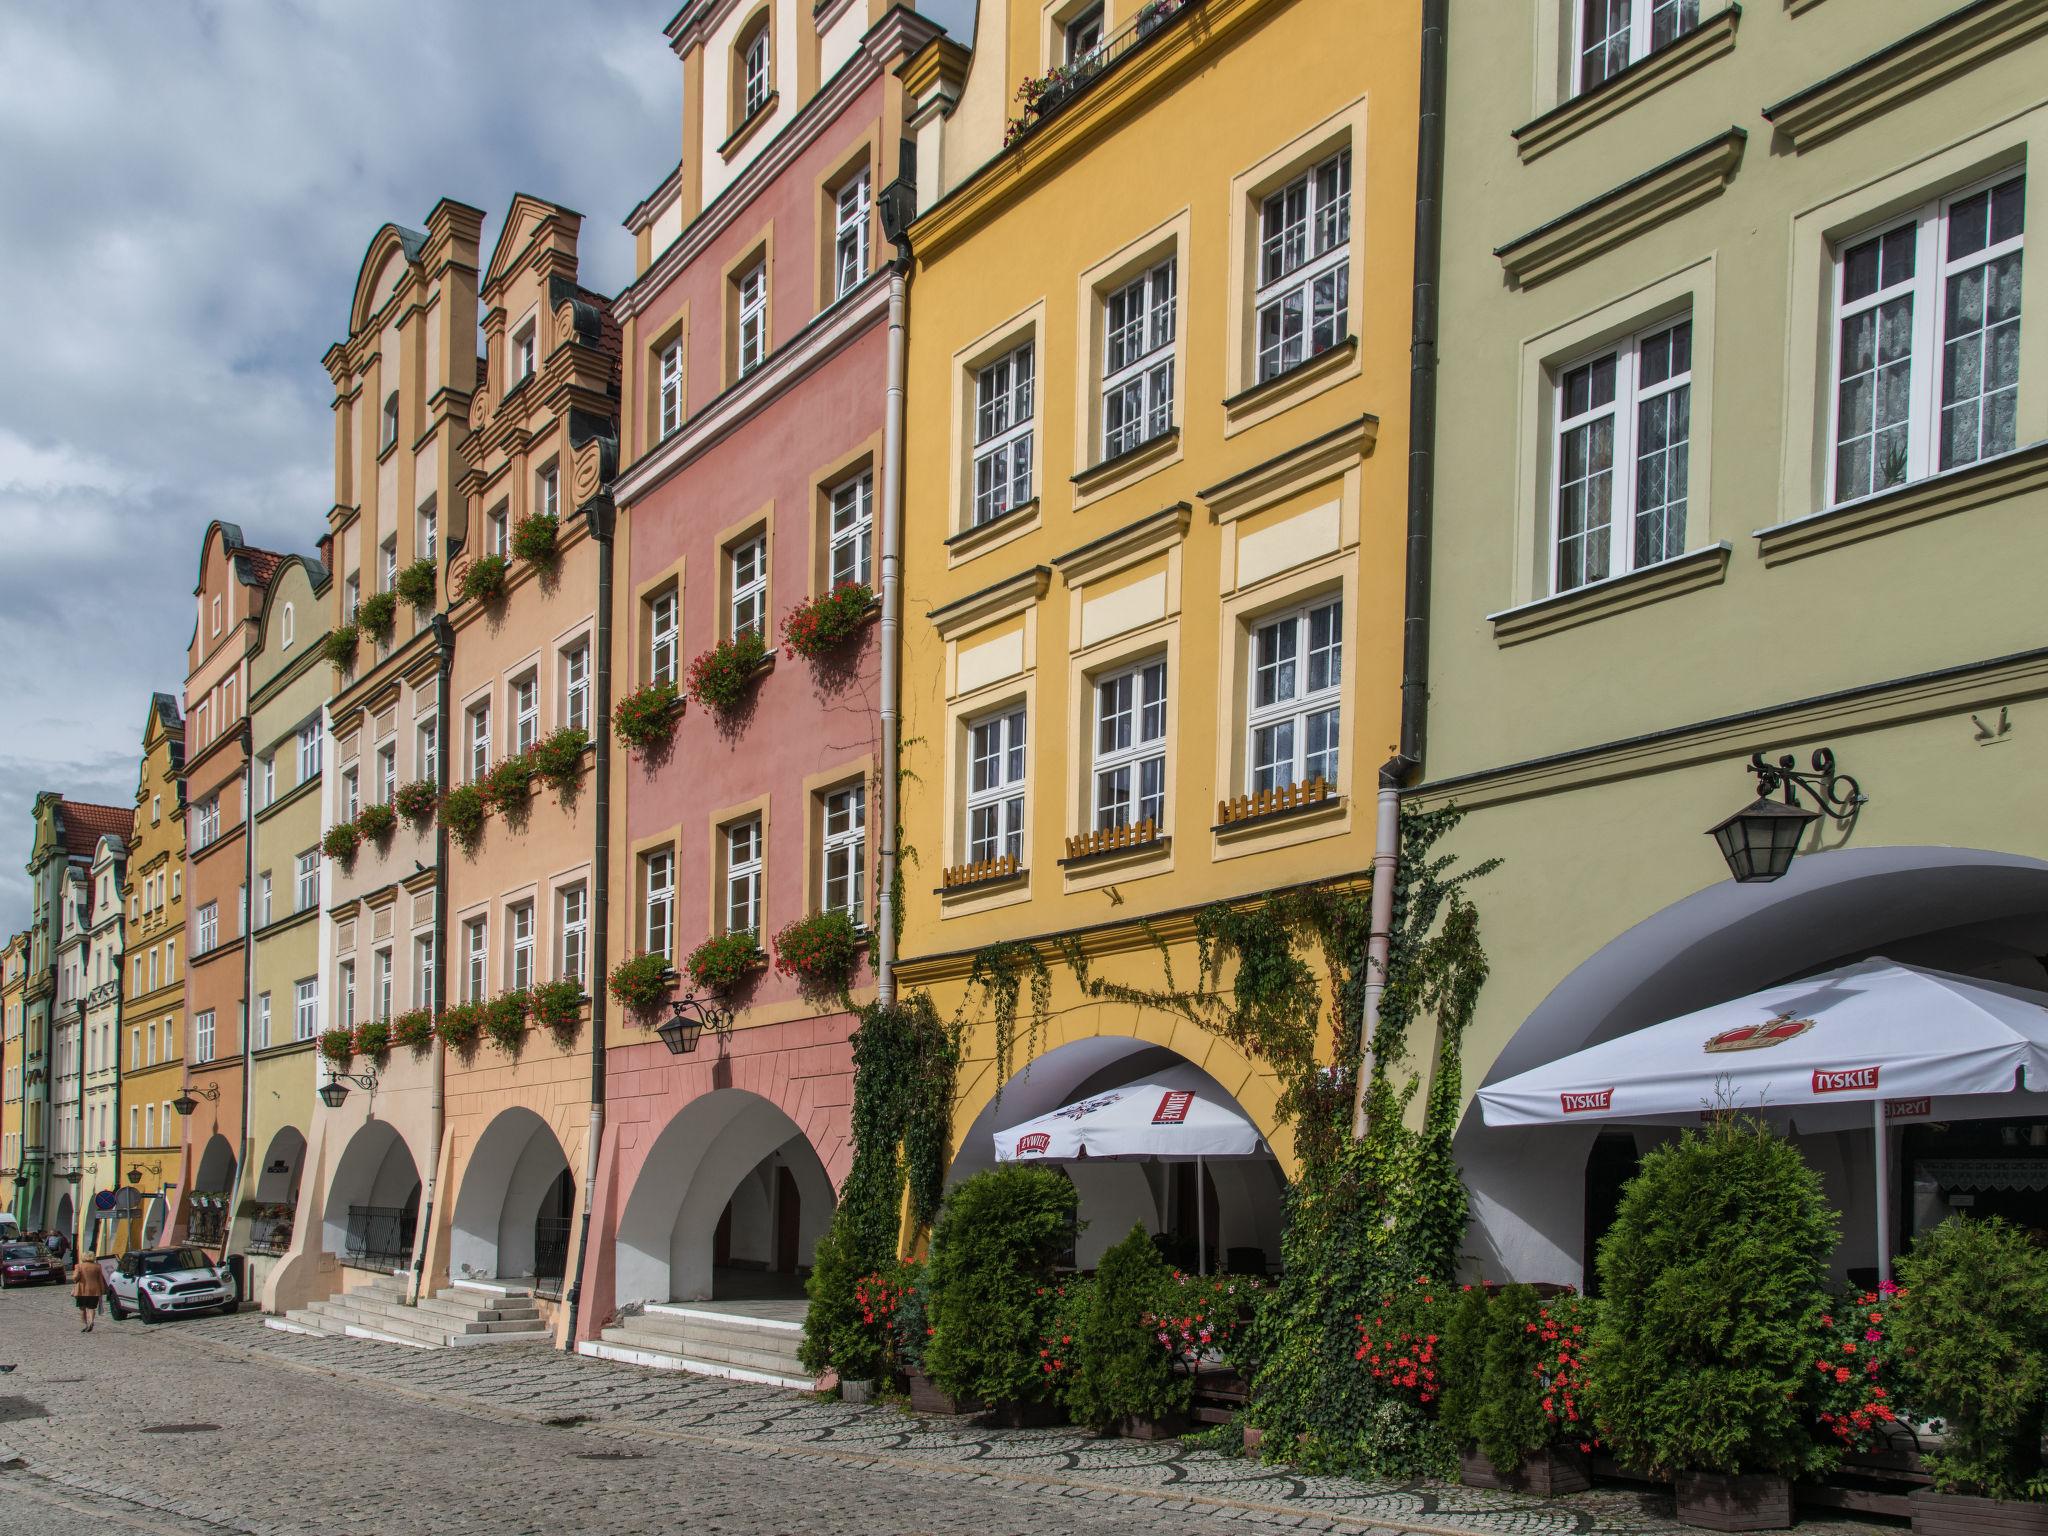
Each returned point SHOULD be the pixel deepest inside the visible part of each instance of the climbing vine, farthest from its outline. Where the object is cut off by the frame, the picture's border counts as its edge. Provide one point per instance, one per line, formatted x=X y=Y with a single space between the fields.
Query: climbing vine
x=998 y=974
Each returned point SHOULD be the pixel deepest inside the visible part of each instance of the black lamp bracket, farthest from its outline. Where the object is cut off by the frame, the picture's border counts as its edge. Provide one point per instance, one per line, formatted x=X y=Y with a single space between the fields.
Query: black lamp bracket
x=1838 y=794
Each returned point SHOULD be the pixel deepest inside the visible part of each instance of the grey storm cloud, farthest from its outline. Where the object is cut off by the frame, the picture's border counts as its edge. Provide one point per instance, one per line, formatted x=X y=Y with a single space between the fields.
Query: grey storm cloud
x=186 y=193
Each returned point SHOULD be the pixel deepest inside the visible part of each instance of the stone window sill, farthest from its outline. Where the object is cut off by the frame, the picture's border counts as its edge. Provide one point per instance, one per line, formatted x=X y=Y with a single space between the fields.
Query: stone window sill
x=1615 y=95
x=981 y=538
x=1689 y=572
x=1142 y=454
x=2022 y=471
x=1305 y=378
x=745 y=131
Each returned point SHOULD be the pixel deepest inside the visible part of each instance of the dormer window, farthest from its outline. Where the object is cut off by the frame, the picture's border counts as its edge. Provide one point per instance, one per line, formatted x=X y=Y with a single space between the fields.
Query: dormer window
x=754 y=56
x=523 y=349
x=390 y=420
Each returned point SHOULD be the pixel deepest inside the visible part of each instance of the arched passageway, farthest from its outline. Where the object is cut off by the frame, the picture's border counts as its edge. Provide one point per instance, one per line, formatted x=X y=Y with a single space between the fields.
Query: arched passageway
x=277 y=1191
x=729 y=1204
x=373 y=1204
x=512 y=1214
x=213 y=1192
x=1241 y=1210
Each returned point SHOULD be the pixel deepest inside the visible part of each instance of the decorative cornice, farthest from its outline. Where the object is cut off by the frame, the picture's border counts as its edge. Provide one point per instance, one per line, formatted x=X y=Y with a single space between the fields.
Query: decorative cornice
x=1619 y=215
x=2019 y=473
x=1134 y=541
x=1919 y=61
x=1247 y=488
x=1696 y=568
x=1618 y=92
x=1011 y=595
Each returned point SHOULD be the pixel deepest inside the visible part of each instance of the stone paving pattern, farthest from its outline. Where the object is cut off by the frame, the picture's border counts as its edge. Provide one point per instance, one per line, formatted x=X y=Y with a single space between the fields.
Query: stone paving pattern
x=342 y=1436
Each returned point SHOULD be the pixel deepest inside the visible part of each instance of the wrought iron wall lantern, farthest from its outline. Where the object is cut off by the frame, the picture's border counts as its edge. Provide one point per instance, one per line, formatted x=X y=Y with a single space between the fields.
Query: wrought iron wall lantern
x=189 y=1096
x=688 y=1018
x=334 y=1092
x=1760 y=840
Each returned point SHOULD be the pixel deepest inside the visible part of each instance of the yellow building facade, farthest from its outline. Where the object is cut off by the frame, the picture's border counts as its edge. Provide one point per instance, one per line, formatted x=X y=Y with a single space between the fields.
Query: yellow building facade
x=153 y=998
x=13 y=987
x=1155 y=477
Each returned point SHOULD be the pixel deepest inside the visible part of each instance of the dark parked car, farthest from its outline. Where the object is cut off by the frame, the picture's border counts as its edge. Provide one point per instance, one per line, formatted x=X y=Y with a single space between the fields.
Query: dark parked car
x=28 y=1264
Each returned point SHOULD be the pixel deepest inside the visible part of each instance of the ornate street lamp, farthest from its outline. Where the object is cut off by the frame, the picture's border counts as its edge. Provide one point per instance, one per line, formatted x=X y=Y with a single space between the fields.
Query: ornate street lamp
x=334 y=1092
x=1759 y=840
x=688 y=1018
x=185 y=1102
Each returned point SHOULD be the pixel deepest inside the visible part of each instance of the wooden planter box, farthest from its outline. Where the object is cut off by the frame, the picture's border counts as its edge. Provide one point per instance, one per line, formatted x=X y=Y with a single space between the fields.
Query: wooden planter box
x=1170 y=1426
x=1956 y=1514
x=1036 y=1415
x=1721 y=1501
x=926 y=1398
x=1548 y=1473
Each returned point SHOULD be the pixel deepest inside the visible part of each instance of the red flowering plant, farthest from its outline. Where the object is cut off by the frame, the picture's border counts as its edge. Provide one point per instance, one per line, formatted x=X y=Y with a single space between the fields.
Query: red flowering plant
x=645 y=719
x=882 y=1299
x=1200 y=1317
x=821 y=952
x=1856 y=1369
x=1513 y=1372
x=1062 y=1308
x=1397 y=1343
x=820 y=626
x=721 y=678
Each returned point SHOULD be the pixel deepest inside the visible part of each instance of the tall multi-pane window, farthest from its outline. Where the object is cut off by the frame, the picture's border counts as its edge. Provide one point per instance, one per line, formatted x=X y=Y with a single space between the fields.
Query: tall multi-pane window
x=351 y=795
x=846 y=851
x=266 y=780
x=387 y=773
x=380 y=979
x=1130 y=746
x=389 y=563
x=853 y=531
x=206 y=821
x=995 y=787
x=479 y=741
x=658 y=880
x=476 y=954
x=753 y=340
x=1002 y=435
x=661 y=637
x=202 y=1035
x=1137 y=361
x=498 y=525
x=1624 y=440
x=525 y=713
x=1296 y=697
x=426 y=763
x=1613 y=34
x=1927 y=340
x=429 y=531
x=206 y=929
x=423 y=971
x=351 y=597
x=1304 y=296
x=307 y=893
x=850 y=238
x=576 y=687
x=572 y=907
x=747 y=573
x=755 y=63
x=263 y=912
x=743 y=876
x=390 y=419
x=519 y=930
x=309 y=751
x=345 y=1000
x=524 y=352
x=306 y=1008
x=547 y=492
x=262 y=1020
x=671 y=387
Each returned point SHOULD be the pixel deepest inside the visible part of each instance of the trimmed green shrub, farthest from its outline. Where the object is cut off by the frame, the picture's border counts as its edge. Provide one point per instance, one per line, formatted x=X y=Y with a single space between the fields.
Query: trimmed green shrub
x=1510 y=1368
x=1712 y=1288
x=377 y=615
x=993 y=1249
x=1124 y=1371
x=1971 y=1327
x=416 y=584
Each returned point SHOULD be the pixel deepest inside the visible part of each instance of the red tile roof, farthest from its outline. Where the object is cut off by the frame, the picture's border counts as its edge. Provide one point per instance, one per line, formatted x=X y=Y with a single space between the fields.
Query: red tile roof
x=85 y=824
x=261 y=562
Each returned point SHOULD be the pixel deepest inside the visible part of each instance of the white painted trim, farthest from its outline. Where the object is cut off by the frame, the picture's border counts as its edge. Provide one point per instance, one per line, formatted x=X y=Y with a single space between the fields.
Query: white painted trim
x=623 y=1354
x=731 y=1319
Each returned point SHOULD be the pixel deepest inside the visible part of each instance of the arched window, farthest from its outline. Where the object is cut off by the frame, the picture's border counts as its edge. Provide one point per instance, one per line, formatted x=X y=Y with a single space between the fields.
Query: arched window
x=284 y=627
x=753 y=76
x=390 y=419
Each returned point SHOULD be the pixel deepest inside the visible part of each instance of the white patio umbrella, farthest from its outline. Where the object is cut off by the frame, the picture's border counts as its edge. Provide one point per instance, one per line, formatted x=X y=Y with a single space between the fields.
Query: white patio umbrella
x=1875 y=1032
x=1176 y=1116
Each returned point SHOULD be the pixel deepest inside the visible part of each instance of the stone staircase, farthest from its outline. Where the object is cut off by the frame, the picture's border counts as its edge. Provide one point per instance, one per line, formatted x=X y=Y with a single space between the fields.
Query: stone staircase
x=463 y=1314
x=710 y=1338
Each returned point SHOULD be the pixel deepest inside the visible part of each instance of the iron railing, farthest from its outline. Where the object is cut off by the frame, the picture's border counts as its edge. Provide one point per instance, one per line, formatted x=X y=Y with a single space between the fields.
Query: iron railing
x=208 y=1226
x=379 y=1236
x=1046 y=94
x=550 y=1252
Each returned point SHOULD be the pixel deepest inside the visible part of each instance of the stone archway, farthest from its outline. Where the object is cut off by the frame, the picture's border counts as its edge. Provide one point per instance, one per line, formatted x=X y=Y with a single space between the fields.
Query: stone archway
x=730 y=1201
x=277 y=1191
x=1972 y=911
x=372 y=1209
x=510 y=1220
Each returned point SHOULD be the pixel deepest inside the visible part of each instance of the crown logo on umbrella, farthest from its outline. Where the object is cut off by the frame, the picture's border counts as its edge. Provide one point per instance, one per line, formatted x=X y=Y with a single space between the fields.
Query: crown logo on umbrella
x=1754 y=1037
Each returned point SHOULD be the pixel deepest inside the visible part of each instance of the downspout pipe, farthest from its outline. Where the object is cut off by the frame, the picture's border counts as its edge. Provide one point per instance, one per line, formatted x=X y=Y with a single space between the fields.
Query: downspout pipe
x=892 y=625
x=444 y=643
x=227 y=1227
x=603 y=517
x=1401 y=769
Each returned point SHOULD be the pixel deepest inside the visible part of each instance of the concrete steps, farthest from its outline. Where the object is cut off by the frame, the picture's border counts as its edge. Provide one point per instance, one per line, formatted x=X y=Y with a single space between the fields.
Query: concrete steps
x=675 y=1336
x=455 y=1317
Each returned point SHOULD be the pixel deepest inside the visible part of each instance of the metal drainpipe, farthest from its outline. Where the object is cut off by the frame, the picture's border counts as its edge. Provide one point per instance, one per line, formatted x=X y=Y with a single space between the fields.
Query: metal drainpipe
x=227 y=1227
x=444 y=642
x=892 y=624
x=1422 y=369
x=603 y=524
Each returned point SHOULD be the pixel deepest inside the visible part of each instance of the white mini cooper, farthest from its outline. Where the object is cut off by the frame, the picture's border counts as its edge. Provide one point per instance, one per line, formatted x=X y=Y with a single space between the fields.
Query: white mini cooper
x=163 y=1282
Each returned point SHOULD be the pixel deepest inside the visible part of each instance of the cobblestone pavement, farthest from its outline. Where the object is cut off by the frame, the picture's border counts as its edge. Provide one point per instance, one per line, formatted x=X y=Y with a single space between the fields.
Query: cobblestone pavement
x=223 y=1425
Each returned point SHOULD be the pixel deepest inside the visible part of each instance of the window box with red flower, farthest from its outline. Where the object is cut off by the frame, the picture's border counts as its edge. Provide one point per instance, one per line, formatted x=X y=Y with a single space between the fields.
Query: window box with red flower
x=645 y=719
x=721 y=678
x=824 y=624
x=822 y=952
x=725 y=960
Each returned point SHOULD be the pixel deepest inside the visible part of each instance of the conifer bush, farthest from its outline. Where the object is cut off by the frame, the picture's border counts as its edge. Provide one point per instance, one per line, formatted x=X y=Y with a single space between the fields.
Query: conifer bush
x=993 y=1249
x=1122 y=1370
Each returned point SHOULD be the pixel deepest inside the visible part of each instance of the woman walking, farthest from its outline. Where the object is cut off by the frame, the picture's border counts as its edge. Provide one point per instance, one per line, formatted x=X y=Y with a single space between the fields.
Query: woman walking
x=88 y=1285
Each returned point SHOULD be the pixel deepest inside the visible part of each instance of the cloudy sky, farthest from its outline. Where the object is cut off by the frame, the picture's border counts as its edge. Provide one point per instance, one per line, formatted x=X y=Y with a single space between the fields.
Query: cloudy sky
x=186 y=192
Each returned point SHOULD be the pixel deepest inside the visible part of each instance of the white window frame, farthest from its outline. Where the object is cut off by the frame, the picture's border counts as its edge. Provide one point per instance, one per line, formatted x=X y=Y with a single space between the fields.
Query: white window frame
x=742 y=849
x=851 y=529
x=1081 y=38
x=1005 y=425
x=306 y=1008
x=206 y=822
x=388 y=565
x=429 y=530
x=476 y=949
x=547 y=492
x=478 y=718
x=1927 y=289
x=306 y=891
x=1139 y=326
x=351 y=598
x=266 y=789
x=576 y=687
x=843 y=881
x=1626 y=409
x=525 y=350
x=747 y=582
x=852 y=217
x=351 y=795
x=423 y=971
x=1636 y=34
x=499 y=522
x=998 y=779
x=525 y=700
x=1130 y=738
x=519 y=945
x=206 y=929
x=309 y=751
x=345 y=994
x=380 y=979
x=1304 y=244
x=658 y=881
x=1303 y=703
x=671 y=387
x=572 y=923
x=390 y=420
x=753 y=317
x=287 y=627
x=263 y=899
x=262 y=1020
x=664 y=617
x=754 y=65
x=202 y=1035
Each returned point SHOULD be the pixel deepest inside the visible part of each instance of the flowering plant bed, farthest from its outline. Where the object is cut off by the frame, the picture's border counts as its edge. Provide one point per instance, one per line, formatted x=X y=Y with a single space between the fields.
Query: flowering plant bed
x=641 y=984
x=558 y=759
x=341 y=645
x=1198 y=1317
x=1856 y=1369
x=721 y=677
x=484 y=578
x=1513 y=1386
x=821 y=952
x=341 y=842
x=460 y=1025
x=338 y=1045
x=413 y=1029
x=724 y=960
x=376 y=822
x=558 y=1008
x=504 y=1020
x=373 y=1037
x=533 y=539
x=647 y=716
x=416 y=584
x=463 y=812
x=820 y=626
x=509 y=786
x=377 y=615
x=416 y=801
